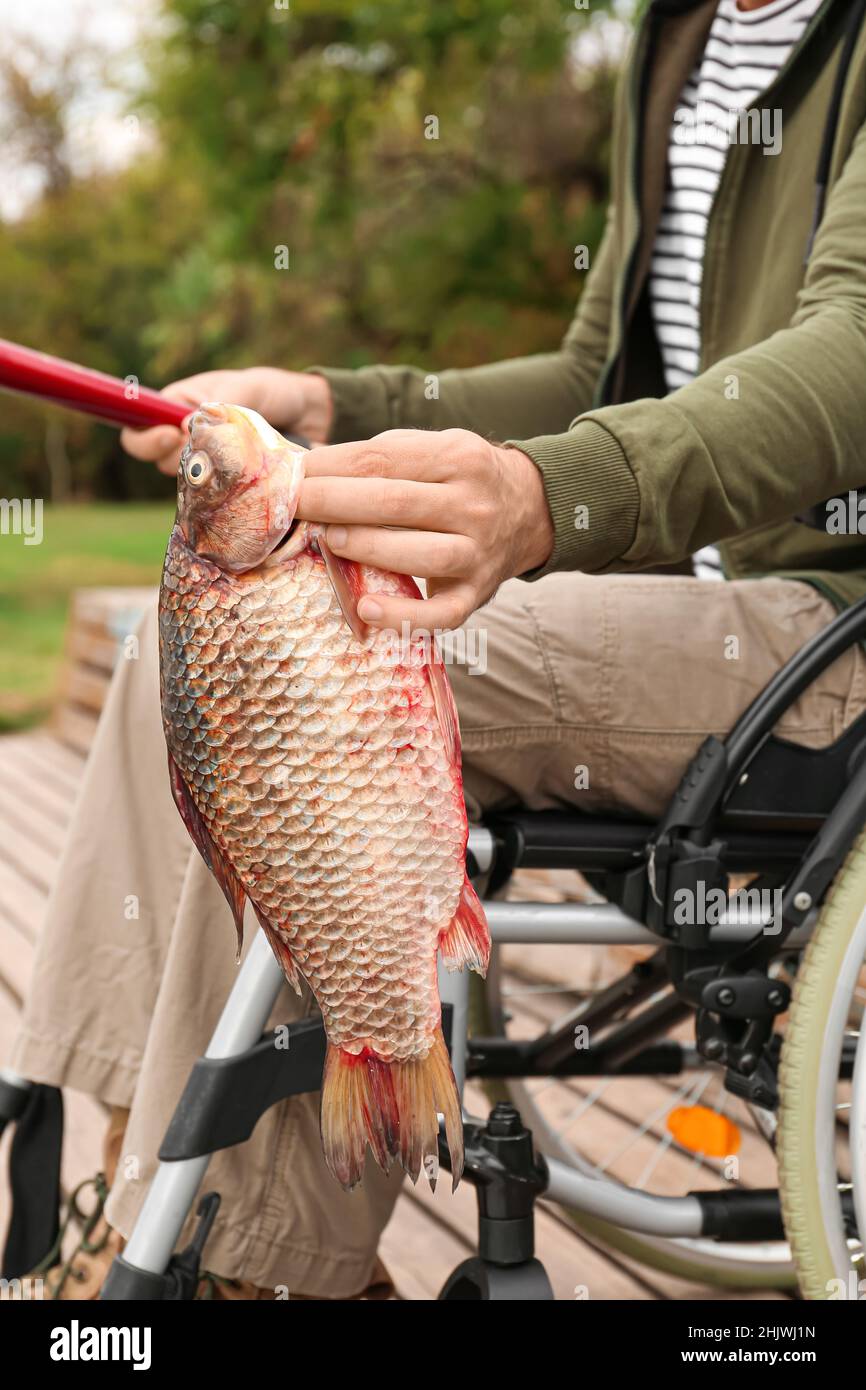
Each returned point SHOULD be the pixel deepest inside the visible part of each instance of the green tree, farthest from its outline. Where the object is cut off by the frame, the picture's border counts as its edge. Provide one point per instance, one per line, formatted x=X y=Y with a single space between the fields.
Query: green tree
x=332 y=180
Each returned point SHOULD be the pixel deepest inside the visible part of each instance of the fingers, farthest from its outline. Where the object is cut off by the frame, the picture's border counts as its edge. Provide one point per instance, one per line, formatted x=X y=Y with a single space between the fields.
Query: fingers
x=206 y=386
x=372 y=501
x=421 y=455
x=425 y=553
x=446 y=609
x=414 y=502
x=161 y=445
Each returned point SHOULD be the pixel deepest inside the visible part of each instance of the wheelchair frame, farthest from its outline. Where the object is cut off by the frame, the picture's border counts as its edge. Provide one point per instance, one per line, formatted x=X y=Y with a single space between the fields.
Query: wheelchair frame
x=723 y=818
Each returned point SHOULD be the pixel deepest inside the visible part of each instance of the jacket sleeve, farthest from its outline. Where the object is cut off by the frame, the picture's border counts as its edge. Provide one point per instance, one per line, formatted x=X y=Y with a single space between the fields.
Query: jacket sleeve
x=661 y=478
x=526 y=395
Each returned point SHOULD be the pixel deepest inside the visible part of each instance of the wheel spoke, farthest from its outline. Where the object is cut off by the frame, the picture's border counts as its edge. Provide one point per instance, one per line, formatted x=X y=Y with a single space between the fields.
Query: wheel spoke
x=570 y=990
x=586 y=1103
x=692 y=1092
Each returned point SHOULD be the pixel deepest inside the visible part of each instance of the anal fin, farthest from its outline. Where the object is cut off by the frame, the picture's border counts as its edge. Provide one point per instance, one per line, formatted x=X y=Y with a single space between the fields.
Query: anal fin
x=466 y=939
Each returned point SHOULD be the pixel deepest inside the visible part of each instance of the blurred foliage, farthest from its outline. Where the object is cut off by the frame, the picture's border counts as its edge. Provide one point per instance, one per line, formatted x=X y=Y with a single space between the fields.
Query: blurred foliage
x=305 y=125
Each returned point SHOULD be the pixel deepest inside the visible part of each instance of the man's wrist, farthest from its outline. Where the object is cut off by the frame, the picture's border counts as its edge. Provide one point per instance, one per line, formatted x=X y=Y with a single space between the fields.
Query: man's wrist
x=318 y=416
x=534 y=523
x=592 y=494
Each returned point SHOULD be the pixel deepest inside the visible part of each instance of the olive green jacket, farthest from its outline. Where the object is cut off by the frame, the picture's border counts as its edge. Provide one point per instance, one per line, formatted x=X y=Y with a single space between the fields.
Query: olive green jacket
x=776 y=420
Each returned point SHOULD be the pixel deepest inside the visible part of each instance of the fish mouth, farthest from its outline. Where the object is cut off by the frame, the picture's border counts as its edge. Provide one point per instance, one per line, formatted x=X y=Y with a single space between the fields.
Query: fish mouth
x=289 y=544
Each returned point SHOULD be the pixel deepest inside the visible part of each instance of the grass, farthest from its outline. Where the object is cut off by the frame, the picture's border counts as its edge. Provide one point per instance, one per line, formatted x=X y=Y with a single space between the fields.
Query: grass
x=88 y=544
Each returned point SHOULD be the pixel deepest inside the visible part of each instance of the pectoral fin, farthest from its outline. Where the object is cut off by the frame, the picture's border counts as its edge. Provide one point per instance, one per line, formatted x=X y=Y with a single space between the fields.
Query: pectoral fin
x=209 y=851
x=446 y=710
x=345 y=576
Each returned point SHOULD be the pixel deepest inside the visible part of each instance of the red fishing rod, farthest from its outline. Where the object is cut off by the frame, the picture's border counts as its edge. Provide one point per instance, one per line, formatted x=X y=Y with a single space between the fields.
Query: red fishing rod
x=119 y=402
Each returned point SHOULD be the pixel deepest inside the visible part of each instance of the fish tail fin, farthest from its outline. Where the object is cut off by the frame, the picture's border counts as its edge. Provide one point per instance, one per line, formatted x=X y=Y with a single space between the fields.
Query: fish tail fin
x=424 y=1087
x=393 y=1107
x=466 y=939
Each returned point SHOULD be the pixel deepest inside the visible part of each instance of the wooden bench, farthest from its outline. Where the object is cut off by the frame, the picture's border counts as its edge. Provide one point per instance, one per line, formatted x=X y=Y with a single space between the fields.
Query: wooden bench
x=100 y=620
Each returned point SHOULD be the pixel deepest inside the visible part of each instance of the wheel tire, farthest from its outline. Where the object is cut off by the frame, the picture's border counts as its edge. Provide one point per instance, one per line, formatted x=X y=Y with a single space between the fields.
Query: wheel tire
x=819 y=1008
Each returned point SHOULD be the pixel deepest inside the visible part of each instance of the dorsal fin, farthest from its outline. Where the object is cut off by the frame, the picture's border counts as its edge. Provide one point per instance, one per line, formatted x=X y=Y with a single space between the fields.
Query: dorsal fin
x=210 y=852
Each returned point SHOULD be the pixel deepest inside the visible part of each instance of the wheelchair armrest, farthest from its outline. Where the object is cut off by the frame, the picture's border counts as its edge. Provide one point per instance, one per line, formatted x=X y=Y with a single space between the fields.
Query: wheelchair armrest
x=847 y=506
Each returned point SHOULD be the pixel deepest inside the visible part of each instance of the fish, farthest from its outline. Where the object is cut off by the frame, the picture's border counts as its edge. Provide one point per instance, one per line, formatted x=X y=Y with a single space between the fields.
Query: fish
x=316 y=764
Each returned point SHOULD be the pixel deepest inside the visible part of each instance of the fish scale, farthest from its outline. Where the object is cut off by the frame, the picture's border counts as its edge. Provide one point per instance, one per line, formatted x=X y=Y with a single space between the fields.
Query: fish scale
x=212 y=620
x=316 y=765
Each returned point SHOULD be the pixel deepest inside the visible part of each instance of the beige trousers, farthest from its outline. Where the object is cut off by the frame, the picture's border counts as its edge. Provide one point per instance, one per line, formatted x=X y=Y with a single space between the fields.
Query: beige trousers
x=588 y=691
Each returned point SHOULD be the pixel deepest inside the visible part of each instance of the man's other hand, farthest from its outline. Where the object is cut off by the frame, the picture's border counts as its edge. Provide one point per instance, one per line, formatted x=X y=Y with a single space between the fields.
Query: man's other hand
x=446 y=506
x=295 y=402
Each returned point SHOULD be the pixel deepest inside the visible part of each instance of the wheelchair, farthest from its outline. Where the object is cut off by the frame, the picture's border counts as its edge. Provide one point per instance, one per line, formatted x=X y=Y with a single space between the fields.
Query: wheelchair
x=743 y=910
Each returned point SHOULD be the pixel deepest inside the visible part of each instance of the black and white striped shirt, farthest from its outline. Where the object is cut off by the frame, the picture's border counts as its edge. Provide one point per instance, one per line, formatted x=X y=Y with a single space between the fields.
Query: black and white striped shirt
x=744 y=51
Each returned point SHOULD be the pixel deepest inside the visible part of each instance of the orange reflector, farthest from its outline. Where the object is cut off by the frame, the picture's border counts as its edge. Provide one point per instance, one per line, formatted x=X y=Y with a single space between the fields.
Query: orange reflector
x=704 y=1131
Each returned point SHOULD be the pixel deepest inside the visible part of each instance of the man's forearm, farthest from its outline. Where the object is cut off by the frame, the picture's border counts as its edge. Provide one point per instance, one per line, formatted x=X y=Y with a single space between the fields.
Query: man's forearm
x=651 y=481
x=525 y=396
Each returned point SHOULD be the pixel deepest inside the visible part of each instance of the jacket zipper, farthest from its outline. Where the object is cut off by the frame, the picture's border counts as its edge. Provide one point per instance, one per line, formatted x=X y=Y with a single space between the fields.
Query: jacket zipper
x=638 y=92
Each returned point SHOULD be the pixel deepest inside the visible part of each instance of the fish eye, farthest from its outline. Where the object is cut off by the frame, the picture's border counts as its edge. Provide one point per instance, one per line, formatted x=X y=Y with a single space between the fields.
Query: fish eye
x=197 y=469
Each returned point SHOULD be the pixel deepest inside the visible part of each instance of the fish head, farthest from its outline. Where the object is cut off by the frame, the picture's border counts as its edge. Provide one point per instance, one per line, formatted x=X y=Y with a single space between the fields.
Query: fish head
x=237 y=487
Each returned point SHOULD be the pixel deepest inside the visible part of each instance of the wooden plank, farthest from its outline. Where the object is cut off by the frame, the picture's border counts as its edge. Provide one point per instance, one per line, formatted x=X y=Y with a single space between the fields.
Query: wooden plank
x=86 y=687
x=53 y=759
x=23 y=811
x=103 y=605
x=99 y=621
x=22 y=779
x=16 y=961
x=33 y=861
x=571 y=969
x=22 y=904
x=74 y=727
x=550 y=886
x=420 y=1252
x=90 y=646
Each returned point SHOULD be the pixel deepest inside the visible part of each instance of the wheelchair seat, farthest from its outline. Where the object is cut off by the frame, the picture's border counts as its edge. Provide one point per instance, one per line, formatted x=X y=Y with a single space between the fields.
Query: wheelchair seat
x=767 y=822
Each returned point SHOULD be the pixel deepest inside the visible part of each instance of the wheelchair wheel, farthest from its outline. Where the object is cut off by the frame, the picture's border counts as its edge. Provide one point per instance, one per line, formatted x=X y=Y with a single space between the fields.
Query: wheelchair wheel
x=822 y=1128
x=617 y=1127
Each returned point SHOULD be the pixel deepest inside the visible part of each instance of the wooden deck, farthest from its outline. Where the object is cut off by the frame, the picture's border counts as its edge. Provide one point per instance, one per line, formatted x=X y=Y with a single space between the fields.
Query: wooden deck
x=429 y=1234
